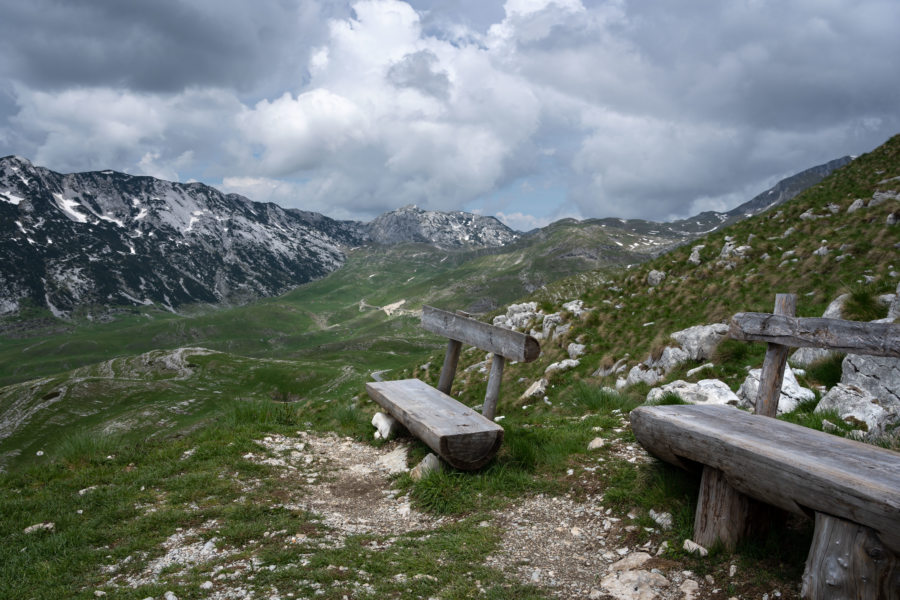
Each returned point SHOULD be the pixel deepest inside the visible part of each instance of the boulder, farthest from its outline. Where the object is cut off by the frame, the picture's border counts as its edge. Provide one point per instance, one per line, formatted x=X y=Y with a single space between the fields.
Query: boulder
x=857 y=406
x=576 y=307
x=575 y=350
x=550 y=322
x=618 y=367
x=669 y=359
x=792 y=393
x=694 y=258
x=538 y=388
x=878 y=375
x=700 y=341
x=857 y=204
x=642 y=374
x=563 y=365
x=654 y=277
x=705 y=391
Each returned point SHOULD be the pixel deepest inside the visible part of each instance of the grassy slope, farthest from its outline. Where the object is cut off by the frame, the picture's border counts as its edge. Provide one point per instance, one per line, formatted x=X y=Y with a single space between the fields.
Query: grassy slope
x=543 y=440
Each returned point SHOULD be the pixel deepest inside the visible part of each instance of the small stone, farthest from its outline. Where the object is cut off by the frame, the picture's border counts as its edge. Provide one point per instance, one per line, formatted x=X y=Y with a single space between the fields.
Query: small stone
x=662 y=548
x=689 y=588
x=428 y=465
x=206 y=585
x=99 y=593
x=39 y=453
x=663 y=519
x=39 y=527
x=596 y=443
x=695 y=548
x=732 y=570
x=170 y=596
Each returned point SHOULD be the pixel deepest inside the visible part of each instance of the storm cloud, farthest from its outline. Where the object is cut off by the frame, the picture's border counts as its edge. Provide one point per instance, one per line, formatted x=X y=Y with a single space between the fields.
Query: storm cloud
x=529 y=109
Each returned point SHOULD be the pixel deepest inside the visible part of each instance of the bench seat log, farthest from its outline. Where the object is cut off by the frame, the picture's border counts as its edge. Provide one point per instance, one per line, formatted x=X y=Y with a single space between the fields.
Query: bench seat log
x=794 y=468
x=460 y=435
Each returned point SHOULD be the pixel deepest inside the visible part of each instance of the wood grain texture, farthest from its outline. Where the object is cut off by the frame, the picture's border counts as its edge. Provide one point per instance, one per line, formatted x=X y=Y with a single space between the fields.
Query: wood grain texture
x=772 y=375
x=848 y=561
x=512 y=345
x=448 y=371
x=460 y=435
x=493 y=387
x=722 y=512
x=877 y=339
x=789 y=466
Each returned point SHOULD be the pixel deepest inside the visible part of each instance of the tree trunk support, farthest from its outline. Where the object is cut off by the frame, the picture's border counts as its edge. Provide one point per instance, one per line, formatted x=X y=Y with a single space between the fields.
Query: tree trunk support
x=493 y=387
x=776 y=359
x=448 y=371
x=849 y=561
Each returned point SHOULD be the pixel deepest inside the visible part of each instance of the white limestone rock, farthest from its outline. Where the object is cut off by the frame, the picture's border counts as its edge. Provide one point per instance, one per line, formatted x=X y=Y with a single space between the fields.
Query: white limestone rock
x=694 y=258
x=536 y=389
x=385 y=424
x=878 y=375
x=561 y=366
x=792 y=393
x=642 y=374
x=857 y=204
x=576 y=307
x=549 y=324
x=575 y=350
x=654 y=277
x=617 y=367
x=670 y=358
x=429 y=464
x=857 y=406
x=700 y=341
x=705 y=391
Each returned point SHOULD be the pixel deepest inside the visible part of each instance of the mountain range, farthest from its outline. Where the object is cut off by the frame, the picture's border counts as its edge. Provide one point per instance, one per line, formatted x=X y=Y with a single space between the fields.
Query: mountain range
x=82 y=243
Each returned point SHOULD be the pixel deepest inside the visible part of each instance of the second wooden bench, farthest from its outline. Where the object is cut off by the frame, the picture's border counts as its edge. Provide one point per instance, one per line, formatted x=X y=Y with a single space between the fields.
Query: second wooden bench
x=465 y=439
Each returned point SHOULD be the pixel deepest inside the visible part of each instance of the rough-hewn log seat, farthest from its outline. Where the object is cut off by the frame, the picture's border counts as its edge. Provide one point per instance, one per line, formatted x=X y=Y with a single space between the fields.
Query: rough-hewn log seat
x=795 y=468
x=465 y=438
x=852 y=489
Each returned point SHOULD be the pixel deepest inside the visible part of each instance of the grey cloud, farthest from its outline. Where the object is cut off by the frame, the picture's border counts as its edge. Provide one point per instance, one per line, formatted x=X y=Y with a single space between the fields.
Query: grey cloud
x=159 y=46
x=420 y=70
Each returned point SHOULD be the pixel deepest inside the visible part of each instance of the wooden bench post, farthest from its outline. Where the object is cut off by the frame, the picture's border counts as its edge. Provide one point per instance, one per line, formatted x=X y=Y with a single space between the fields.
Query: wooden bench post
x=776 y=360
x=848 y=560
x=493 y=387
x=448 y=371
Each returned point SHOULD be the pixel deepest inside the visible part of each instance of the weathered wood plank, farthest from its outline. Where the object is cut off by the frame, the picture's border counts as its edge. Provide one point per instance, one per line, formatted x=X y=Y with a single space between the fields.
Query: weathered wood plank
x=786 y=465
x=878 y=339
x=460 y=435
x=772 y=375
x=847 y=560
x=448 y=371
x=722 y=512
x=493 y=388
x=512 y=345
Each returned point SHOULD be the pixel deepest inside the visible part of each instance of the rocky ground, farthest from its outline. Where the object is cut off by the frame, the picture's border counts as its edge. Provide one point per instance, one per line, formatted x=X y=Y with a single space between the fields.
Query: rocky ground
x=569 y=547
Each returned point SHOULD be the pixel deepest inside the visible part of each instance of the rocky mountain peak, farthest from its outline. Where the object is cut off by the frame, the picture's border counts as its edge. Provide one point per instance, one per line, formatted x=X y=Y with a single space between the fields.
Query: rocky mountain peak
x=455 y=229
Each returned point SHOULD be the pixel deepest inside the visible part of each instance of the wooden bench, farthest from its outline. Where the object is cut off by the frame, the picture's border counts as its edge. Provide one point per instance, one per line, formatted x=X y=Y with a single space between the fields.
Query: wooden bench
x=462 y=437
x=851 y=489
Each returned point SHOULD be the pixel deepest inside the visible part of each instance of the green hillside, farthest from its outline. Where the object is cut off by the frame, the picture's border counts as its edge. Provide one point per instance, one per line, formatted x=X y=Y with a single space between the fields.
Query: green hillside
x=173 y=438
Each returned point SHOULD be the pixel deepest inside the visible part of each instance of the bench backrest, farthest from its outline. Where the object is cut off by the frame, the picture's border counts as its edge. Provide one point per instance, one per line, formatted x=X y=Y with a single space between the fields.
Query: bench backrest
x=503 y=343
x=509 y=344
x=782 y=330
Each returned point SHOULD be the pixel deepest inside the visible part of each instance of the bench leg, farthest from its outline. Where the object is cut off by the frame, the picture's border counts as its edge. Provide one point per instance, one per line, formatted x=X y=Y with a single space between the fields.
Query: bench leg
x=847 y=560
x=723 y=513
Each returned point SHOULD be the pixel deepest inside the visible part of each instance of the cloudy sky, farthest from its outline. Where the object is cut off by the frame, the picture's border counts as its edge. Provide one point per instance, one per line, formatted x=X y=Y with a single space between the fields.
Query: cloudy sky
x=530 y=110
